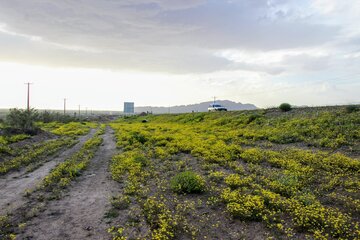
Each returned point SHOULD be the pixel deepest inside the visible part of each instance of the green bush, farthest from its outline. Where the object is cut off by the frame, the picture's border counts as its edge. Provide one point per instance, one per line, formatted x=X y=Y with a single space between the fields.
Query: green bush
x=285 y=107
x=120 y=202
x=47 y=117
x=352 y=108
x=253 y=155
x=187 y=182
x=22 y=121
x=142 y=160
x=243 y=206
x=235 y=181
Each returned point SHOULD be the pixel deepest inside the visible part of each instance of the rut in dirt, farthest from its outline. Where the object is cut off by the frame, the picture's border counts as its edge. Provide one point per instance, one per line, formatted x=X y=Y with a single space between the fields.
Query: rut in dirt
x=80 y=214
x=14 y=185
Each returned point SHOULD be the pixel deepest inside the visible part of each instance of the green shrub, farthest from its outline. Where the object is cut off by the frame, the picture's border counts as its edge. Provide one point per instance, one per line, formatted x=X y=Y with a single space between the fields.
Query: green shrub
x=187 y=182
x=120 y=202
x=352 y=108
x=253 y=155
x=217 y=176
x=22 y=121
x=246 y=207
x=235 y=181
x=285 y=107
x=142 y=160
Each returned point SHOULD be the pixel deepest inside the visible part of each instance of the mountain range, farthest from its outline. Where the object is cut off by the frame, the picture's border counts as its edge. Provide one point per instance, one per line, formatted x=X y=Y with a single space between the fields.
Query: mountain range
x=199 y=107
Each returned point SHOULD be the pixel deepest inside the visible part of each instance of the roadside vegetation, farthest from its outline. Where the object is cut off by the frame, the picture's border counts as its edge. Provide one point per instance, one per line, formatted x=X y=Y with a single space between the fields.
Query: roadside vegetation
x=38 y=152
x=6 y=141
x=21 y=121
x=21 y=125
x=15 y=157
x=67 y=129
x=285 y=107
x=67 y=171
x=51 y=187
x=267 y=174
x=297 y=175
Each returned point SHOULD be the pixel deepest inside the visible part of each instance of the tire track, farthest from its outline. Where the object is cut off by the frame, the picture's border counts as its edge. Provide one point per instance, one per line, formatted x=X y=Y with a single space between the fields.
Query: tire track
x=80 y=214
x=13 y=185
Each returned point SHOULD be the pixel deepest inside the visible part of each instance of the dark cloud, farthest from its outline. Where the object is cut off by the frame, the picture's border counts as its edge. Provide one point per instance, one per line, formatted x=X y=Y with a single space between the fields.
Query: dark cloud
x=156 y=35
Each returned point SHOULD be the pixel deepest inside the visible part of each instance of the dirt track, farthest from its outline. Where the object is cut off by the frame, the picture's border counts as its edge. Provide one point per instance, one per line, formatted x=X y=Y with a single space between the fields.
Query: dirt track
x=13 y=185
x=80 y=214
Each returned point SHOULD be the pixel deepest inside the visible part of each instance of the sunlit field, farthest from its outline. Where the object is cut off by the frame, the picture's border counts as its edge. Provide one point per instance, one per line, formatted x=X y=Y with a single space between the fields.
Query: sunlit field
x=262 y=174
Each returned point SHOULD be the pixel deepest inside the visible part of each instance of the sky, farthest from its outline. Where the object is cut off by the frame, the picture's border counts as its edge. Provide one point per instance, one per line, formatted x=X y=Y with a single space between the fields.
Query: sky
x=100 y=53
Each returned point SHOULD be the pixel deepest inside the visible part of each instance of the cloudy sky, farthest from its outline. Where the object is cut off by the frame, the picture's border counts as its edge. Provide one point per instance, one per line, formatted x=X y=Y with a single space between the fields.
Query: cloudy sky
x=100 y=53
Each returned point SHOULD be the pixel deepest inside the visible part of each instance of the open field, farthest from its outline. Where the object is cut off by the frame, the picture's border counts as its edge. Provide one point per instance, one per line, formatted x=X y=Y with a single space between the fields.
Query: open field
x=260 y=174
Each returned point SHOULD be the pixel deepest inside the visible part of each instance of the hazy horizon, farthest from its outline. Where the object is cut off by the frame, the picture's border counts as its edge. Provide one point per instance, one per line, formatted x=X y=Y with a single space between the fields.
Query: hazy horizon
x=99 y=54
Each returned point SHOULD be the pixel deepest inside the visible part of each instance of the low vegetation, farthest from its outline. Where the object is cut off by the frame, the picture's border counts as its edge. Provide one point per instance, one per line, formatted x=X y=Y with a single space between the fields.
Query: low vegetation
x=239 y=165
x=67 y=171
x=6 y=141
x=36 y=153
x=236 y=175
x=68 y=129
x=51 y=187
x=187 y=182
x=352 y=108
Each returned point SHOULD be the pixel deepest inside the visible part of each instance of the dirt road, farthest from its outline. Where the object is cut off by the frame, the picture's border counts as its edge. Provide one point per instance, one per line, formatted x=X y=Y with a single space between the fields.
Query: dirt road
x=13 y=185
x=80 y=214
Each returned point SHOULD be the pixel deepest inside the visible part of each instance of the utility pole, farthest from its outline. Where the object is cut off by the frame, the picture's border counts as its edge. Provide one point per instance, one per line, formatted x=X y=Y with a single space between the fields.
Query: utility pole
x=214 y=100
x=28 y=96
x=64 y=106
x=79 y=112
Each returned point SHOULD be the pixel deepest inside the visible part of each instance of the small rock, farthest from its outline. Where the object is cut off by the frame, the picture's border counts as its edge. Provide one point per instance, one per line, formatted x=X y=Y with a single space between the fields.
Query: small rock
x=88 y=228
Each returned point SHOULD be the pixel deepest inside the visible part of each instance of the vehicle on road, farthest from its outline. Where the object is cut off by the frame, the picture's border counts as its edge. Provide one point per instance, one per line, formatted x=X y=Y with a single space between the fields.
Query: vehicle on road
x=216 y=107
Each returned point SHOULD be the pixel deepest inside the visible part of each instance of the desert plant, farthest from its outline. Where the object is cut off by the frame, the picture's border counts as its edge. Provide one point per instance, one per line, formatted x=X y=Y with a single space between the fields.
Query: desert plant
x=285 y=107
x=352 y=108
x=187 y=182
x=22 y=121
x=120 y=202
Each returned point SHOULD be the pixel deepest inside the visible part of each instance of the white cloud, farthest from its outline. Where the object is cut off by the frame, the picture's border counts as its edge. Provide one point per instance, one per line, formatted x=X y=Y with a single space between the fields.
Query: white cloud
x=161 y=35
x=260 y=50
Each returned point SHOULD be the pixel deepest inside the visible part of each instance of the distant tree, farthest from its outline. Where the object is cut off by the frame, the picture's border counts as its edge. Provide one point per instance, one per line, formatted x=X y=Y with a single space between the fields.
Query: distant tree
x=285 y=107
x=46 y=117
x=352 y=108
x=22 y=121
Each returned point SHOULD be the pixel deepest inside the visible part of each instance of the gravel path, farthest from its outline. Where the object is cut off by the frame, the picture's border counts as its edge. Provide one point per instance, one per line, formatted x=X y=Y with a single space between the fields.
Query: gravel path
x=13 y=185
x=80 y=214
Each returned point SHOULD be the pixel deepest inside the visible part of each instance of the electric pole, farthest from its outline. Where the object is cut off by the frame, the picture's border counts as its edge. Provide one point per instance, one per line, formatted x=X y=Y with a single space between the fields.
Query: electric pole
x=214 y=100
x=64 y=106
x=79 y=112
x=28 y=96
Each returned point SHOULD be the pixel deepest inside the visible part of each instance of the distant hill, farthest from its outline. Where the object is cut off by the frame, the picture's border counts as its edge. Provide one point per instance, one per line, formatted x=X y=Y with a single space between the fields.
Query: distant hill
x=200 y=107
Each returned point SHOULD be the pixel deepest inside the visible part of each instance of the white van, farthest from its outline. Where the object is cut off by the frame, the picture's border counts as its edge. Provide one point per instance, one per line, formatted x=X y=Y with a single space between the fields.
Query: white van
x=216 y=107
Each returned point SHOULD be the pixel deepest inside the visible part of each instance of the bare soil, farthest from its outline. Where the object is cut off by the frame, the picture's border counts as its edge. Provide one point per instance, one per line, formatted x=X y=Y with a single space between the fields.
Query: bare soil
x=80 y=214
x=14 y=185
